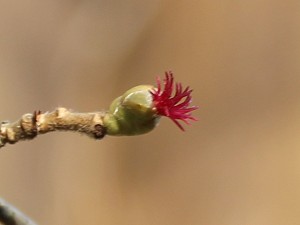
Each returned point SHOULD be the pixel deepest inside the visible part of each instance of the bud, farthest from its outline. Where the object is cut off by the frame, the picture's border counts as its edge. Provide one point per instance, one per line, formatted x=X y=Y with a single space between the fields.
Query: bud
x=132 y=113
x=139 y=109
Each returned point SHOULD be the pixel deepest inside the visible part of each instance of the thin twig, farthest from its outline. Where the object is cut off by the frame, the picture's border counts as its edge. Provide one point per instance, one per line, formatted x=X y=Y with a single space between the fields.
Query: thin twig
x=61 y=119
x=9 y=215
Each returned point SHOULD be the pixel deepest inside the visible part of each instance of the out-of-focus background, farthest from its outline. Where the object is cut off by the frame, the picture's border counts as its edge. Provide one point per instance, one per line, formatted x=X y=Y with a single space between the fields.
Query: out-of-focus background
x=239 y=165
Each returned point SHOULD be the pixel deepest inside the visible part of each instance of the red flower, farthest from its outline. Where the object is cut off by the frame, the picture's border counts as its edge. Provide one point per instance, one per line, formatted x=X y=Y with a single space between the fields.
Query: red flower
x=176 y=107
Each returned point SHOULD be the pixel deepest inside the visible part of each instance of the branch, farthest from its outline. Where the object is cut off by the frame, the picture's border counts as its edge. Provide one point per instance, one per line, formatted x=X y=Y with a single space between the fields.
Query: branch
x=9 y=215
x=61 y=119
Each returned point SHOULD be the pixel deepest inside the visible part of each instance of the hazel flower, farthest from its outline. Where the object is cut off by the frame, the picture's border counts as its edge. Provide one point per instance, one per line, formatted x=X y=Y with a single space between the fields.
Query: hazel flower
x=175 y=106
x=140 y=108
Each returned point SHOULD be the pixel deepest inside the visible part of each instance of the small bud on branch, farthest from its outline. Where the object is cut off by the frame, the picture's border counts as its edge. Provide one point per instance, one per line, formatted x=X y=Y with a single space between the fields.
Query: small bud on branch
x=137 y=111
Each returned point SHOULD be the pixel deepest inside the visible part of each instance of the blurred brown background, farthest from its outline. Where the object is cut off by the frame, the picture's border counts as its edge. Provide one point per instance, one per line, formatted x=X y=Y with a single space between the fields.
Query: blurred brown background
x=239 y=165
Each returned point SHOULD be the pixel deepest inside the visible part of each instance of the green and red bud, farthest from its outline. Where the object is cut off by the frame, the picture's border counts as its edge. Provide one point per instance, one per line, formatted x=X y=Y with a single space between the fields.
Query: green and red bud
x=139 y=109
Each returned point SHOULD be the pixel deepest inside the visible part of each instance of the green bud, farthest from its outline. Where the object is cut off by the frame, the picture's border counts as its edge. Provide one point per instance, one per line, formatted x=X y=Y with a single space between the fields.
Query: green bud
x=132 y=113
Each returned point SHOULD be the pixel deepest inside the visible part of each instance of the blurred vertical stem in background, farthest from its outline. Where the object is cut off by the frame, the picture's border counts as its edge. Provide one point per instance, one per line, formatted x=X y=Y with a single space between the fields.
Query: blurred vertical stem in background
x=9 y=215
